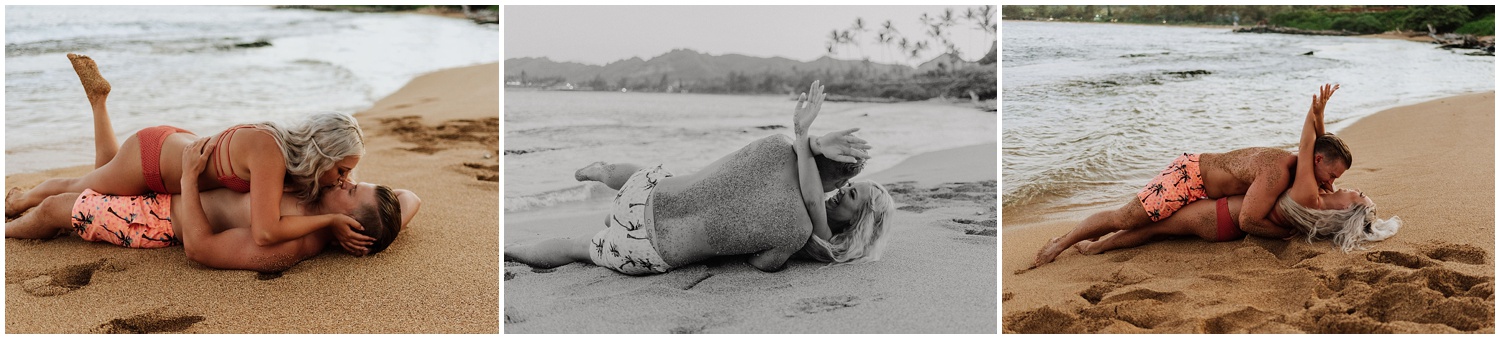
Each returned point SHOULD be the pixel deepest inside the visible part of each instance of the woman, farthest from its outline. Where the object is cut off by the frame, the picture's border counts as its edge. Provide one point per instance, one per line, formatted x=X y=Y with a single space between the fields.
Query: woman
x=761 y=200
x=264 y=159
x=1347 y=216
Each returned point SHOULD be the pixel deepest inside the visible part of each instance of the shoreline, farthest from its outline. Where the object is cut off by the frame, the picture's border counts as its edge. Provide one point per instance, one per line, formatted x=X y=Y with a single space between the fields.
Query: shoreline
x=439 y=121
x=1403 y=156
x=937 y=276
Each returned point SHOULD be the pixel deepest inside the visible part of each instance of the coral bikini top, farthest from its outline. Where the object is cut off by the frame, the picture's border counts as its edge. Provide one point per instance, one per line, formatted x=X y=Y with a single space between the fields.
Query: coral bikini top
x=226 y=171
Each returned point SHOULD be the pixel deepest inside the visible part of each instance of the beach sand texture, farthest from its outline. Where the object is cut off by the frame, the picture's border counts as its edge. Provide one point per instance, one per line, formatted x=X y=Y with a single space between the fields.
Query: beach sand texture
x=1431 y=163
x=438 y=137
x=937 y=276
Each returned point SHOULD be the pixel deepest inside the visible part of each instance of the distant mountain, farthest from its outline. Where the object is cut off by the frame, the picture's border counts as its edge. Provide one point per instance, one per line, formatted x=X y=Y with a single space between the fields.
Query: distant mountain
x=685 y=64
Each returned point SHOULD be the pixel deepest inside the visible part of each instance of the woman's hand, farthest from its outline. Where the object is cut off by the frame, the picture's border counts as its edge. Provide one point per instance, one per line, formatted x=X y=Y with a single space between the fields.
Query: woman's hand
x=807 y=109
x=344 y=229
x=842 y=146
x=1321 y=100
x=194 y=160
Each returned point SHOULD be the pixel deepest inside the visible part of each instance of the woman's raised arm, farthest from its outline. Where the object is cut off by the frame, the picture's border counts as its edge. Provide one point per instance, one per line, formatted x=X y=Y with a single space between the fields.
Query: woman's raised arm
x=807 y=169
x=1305 y=183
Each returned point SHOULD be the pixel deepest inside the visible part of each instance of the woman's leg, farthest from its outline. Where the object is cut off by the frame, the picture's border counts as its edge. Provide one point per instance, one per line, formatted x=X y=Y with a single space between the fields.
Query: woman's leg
x=1199 y=218
x=50 y=218
x=1130 y=216
x=550 y=253
x=97 y=90
x=121 y=176
x=612 y=175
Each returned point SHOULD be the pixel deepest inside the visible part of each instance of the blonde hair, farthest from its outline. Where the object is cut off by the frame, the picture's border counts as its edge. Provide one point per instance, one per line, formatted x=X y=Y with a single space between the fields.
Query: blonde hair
x=312 y=147
x=865 y=238
x=1348 y=228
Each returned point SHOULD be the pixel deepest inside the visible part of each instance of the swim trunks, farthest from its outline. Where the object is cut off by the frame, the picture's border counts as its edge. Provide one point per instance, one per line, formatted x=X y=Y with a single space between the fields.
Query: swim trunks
x=625 y=243
x=137 y=221
x=151 y=139
x=1229 y=229
x=1178 y=185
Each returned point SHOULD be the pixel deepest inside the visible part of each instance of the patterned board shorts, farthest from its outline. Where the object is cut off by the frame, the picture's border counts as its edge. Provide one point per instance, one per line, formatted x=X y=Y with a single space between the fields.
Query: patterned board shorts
x=625 y=243
x=135 y=221
x=1178 y=185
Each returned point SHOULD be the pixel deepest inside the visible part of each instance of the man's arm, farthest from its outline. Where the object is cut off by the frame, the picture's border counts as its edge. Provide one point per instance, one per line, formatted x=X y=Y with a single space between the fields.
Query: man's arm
x=231 y=249
x=1260 y=198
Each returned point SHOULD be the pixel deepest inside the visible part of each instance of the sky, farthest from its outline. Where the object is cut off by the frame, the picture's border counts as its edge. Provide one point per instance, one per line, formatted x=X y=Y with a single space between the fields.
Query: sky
x=601 y=34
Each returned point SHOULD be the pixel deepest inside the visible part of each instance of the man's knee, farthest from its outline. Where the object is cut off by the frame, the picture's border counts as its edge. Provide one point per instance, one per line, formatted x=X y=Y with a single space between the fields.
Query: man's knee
x=57 y=207
x=1130 y=216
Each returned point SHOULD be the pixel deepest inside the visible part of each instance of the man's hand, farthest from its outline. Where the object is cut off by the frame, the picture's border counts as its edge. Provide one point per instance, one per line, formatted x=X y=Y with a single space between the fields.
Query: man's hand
x=807 y=109
x=842 y=146
x=343 y=228
x=194 y=160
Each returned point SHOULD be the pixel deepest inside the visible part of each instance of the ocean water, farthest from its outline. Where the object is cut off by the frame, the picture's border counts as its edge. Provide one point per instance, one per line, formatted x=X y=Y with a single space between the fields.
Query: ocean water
x=549 y=134
x=175 y=65
x=1092 y=111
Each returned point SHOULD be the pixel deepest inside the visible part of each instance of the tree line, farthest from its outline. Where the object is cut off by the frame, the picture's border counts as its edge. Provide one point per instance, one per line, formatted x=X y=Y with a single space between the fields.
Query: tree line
x=1469 y=19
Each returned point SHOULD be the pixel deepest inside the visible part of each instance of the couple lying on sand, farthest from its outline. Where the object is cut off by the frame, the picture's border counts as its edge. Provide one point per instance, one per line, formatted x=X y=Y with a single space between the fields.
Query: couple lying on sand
x=271 y=195
x=1260 y=191
x=765 y=199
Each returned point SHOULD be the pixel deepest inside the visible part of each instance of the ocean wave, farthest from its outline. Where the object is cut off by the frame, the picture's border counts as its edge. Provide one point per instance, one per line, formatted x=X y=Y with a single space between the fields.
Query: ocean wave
x=586 y=192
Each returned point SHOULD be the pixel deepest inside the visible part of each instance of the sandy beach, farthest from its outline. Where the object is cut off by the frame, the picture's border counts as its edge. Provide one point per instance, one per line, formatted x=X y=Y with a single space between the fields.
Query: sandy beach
x=938 y=276
x=1432 y=164
x=437 y=136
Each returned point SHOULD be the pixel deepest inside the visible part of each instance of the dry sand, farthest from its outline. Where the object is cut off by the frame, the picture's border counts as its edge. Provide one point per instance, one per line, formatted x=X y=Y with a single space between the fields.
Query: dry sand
x=1432 y=164
x=937 y=276
x=441 y=274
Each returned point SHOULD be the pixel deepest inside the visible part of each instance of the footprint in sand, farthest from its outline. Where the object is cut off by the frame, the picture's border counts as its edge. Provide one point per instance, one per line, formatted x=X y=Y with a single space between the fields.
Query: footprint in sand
x=431 y=139
x=1399 y=259
x=981 y=228
x=823 y=304
x=702 y=323
x=66 y=279
x=483 y=172
x=1041 y=320
x=1462 y=253
x=513 y=315
x=158 y=321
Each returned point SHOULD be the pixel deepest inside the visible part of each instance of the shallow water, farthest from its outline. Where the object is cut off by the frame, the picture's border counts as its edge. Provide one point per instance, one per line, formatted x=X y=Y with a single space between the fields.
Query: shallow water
x=1092 y=111
x=549 y=135
x=176 y=65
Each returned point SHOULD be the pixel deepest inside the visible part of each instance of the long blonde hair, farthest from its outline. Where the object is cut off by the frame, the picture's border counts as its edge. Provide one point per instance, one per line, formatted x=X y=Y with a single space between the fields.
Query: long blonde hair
x=1348 y=228
x=865 y=238
x=312 y=147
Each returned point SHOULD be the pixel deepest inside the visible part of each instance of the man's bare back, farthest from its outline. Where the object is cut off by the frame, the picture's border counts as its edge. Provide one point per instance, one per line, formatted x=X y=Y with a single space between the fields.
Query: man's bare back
x=1231 y=173
x=743 y=203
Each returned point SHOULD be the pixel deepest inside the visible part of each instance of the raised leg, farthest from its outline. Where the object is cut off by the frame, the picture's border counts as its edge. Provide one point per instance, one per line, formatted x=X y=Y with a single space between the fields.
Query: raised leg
x=97 y=90
x=1130 y=216
x=612 y=175
x=49 y=218
x=550 y=253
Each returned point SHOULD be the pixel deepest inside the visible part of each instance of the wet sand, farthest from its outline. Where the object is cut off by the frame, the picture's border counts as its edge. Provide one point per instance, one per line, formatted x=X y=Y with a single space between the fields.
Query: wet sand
x=437 y=137
x=938 y=276
x=1432 y=164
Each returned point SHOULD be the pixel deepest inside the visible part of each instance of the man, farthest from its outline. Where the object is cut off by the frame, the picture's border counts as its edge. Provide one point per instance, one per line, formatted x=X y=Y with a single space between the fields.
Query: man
x=1260 y=174
x=223 y=238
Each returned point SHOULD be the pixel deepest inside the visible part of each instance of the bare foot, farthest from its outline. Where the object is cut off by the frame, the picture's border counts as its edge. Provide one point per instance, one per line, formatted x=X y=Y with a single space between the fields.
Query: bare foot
x=93 y=83
x=1047 y=253
x=1083 y=247
x=592 y=172
x=14 y=193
